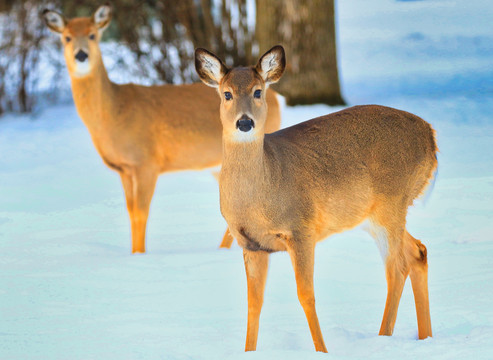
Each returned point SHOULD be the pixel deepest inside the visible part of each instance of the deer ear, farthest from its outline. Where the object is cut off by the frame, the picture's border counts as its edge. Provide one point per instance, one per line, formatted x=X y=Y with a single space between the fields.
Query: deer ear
x=272 y=64
x=102 y=17
x=209 y=67
x=55 y=21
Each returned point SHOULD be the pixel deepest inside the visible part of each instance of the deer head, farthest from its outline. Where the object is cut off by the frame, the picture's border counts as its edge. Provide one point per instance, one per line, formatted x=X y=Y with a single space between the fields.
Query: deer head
x=242 y=90
x=80 y=38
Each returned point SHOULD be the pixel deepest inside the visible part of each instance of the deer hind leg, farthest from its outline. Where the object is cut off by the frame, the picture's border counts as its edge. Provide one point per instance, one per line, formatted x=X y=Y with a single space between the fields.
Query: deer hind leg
x=227 y=237
x=139 y=186
x=256 y=265
x=388 y=229
x=417 y=255
x=302 y=258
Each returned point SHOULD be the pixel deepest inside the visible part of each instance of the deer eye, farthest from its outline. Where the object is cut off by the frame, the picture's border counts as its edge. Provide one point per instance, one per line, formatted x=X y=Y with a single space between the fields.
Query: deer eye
x=228 y=95
x=92 y=37
x=67 y=38
x=257 y=93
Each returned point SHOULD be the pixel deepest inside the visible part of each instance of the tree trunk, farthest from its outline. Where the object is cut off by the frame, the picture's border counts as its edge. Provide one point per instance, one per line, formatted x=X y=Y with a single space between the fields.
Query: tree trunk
x=306 y=30
x=24 y=49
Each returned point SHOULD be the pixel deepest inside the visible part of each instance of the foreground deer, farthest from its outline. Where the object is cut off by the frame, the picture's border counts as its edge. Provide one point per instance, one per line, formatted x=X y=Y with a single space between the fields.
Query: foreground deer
x=290 y=189
x=140 y=131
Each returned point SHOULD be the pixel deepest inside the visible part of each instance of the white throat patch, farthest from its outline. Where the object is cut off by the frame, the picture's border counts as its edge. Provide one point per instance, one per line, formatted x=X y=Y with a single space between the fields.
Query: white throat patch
x=81 y=68
x=244 y=137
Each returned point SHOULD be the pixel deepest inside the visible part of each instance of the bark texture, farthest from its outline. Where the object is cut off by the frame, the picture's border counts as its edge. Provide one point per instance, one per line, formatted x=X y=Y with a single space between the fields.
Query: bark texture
x=306 y=29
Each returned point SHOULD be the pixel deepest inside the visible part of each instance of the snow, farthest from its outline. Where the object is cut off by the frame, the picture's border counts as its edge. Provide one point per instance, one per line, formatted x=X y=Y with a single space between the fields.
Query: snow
x=70 y=289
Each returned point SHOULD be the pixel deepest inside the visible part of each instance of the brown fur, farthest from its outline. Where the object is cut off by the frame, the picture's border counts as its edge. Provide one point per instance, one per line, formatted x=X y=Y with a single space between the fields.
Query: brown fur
x=318 y=163
x=143 y=131
x=292 y=188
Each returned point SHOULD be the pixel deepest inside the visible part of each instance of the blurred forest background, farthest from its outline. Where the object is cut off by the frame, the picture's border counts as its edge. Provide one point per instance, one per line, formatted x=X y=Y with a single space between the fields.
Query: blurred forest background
x=152 y=42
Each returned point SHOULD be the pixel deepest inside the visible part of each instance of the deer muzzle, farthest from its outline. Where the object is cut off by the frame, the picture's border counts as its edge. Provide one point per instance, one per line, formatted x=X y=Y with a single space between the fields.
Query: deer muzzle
x=245 y=124
x=81 y=56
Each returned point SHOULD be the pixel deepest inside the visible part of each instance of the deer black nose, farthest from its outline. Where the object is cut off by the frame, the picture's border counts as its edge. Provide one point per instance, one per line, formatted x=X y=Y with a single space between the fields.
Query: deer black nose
x=245 y=124
x=81 y=56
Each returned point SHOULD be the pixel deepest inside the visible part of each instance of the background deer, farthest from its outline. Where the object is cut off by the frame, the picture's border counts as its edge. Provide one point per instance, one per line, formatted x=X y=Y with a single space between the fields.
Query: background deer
x=140 y=131
x=290 y=189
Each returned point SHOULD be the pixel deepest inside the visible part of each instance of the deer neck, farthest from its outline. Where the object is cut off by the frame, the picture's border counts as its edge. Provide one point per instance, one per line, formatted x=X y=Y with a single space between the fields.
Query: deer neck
x=245 y=170
x=93 y=97
x=243 y=156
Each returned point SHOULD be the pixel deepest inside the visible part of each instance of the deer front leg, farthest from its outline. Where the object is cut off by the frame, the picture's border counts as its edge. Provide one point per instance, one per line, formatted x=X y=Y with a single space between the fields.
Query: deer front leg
x=128 y=188
x=139 y=185
x=256 y=265
x=302 y=257
x=227 y=240
x=127 y=183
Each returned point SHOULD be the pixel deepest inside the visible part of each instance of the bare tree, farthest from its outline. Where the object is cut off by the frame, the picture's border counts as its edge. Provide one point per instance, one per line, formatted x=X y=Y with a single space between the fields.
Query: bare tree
x=20 y=40
x=176 y=28
x=6 y=5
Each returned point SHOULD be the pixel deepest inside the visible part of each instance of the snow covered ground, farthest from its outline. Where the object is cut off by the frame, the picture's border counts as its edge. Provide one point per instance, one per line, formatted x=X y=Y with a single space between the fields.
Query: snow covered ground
x=69 y=288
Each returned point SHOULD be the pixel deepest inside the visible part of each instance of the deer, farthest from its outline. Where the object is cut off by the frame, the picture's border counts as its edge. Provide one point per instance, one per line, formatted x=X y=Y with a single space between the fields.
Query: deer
x=290 y=189
x=140 y=131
